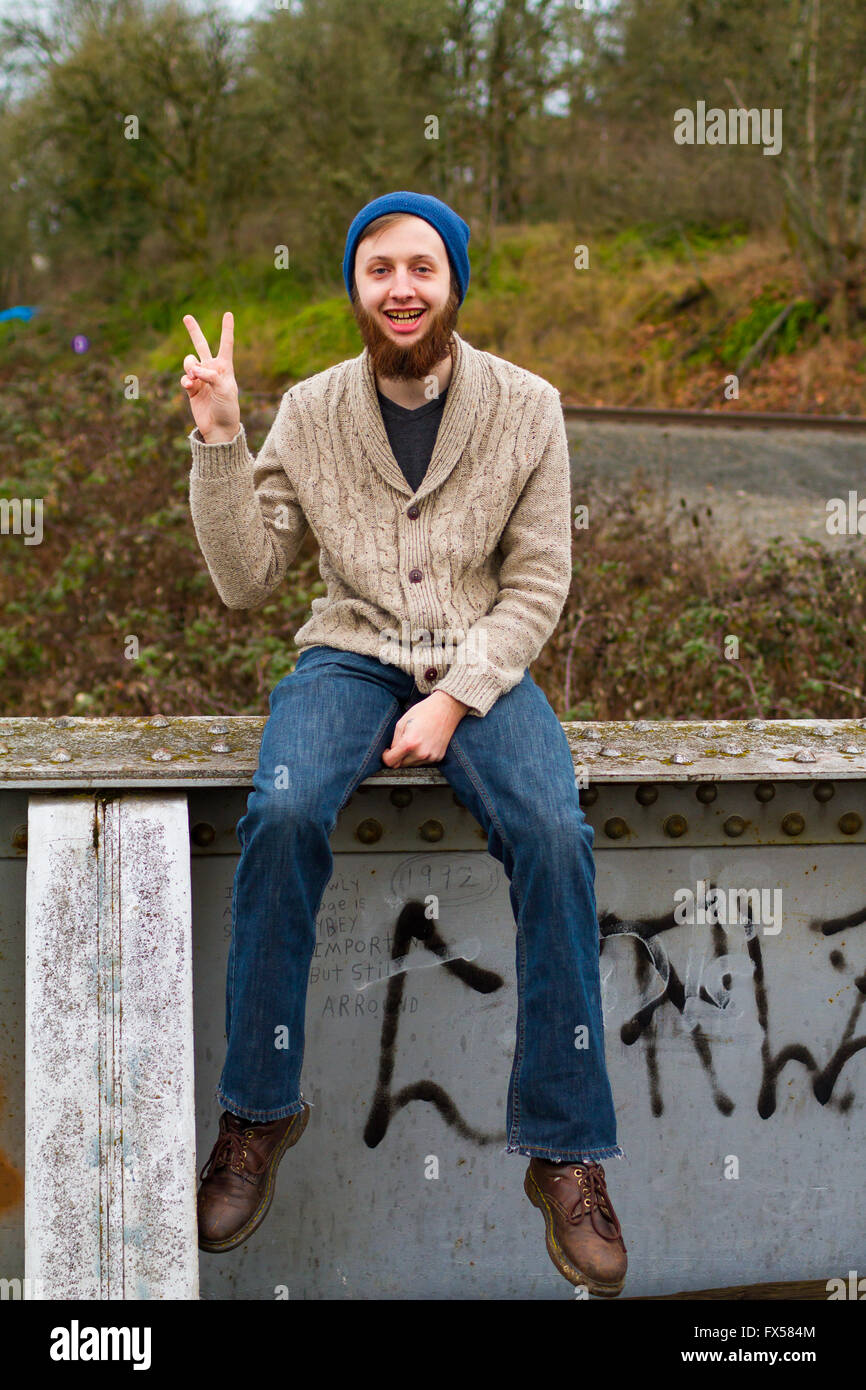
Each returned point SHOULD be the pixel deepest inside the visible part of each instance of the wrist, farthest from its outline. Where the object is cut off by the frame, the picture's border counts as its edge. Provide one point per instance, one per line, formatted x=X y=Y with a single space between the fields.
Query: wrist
x=457 y=706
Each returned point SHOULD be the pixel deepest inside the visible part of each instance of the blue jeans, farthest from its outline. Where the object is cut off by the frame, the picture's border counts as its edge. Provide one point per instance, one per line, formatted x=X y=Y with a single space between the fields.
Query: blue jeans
x=330 y=721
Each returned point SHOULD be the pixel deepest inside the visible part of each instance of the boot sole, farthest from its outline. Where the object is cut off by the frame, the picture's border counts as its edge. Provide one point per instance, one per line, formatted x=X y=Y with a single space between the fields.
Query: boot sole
x=292 y=1135
x=566 y=1269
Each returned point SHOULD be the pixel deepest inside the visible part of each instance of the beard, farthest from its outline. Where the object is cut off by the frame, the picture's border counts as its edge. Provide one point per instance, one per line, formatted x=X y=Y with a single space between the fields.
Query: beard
x=417 y=359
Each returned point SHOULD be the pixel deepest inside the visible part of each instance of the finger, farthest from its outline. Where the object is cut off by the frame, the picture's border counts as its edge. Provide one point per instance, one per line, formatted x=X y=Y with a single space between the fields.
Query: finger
x=204 y=373
x=199 y=340
x=227 y=340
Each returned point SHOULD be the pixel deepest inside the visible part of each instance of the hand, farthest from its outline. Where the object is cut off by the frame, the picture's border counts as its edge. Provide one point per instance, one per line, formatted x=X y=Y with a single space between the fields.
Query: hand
x=210 y=382
x=424 y=732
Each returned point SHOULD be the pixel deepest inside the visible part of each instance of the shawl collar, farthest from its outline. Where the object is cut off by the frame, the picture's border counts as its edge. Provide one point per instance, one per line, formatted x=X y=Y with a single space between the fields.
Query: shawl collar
x=455 y=427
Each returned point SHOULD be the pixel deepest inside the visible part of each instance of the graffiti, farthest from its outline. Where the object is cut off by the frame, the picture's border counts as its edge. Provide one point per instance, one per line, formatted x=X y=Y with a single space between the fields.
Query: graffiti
x=704 y=999
x=413 y=924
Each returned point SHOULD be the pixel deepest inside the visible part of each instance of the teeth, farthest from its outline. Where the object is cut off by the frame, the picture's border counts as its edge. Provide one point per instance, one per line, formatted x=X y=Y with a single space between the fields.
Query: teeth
x=402 y=315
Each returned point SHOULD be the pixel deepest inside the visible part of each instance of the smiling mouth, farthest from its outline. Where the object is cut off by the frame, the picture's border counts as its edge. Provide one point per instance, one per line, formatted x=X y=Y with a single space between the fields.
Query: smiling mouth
x=403 y=315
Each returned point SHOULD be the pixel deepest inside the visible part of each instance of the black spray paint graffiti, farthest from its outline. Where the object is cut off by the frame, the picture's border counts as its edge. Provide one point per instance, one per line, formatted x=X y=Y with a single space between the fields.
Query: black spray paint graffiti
x=413 y=925
x=651 y=956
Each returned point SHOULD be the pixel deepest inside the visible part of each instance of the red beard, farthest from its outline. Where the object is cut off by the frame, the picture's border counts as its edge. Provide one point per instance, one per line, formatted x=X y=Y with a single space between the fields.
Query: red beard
x=417 y=359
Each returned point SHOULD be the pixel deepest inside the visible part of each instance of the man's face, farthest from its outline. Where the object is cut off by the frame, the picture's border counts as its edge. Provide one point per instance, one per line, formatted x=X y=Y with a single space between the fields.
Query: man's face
x=404 y=267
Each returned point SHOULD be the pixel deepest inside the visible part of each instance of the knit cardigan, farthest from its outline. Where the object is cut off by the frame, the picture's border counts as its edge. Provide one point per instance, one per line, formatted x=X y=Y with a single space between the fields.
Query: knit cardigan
x=461 y=583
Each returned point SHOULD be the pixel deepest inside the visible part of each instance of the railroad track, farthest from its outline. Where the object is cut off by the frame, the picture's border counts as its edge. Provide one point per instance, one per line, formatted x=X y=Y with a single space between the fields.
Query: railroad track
x=715 y=419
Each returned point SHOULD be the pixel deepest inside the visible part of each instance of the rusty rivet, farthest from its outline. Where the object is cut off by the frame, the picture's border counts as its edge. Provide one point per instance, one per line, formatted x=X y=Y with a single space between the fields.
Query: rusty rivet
x=369 y=831
x=850 y=823
x=431 y=830
x=202 y=833
x=823 y=791
x=588 y=795
x=19 y=837
x=645 y=794
x=675 y=826
x=793 y=823
x=706 y=792
x=400 y=797
x=615 y=828
x=734 y=825
x=764 y=791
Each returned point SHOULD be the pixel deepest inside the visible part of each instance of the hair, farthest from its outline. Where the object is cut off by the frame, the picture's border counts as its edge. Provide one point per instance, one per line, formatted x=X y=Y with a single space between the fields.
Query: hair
x=378 y=225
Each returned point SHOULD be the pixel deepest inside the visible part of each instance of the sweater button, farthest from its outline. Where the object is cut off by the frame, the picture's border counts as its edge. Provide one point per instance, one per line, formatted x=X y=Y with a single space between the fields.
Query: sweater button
x=415 y=576
x=431 y=673
x=413 y=512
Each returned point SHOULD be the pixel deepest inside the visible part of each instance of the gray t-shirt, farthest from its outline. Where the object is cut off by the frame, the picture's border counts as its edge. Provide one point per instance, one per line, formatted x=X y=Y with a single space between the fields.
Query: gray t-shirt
x=412 y=434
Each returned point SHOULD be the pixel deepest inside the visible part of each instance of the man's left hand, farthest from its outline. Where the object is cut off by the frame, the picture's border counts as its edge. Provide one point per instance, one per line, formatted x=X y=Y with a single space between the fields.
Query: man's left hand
x=424 y=732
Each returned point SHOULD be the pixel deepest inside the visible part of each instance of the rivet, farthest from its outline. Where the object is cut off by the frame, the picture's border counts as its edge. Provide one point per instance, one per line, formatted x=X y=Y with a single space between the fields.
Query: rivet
x=680 y=758
x=431 y=830
x=675 y=826
x=793 y=823
x=850 y=823
x=706 y=792
x=60 y=755
x=202 y=833
x=708 y=731
x=62 y=722
x=3 y=748
x=755 y=725
x=218 y=729
x=764 y=791
x=734 y=825
x=733 y=748
x=615 y=828
x=369 y=831
x=823 y=791
x=642 y=726
x=159 y=722
x=608 y=752
x=592 y=734
x=19 y=837
x=645 y=794
x=850 y=748
x=588 y=795
x=220 y=748
x=401 y=796
x=161 y=755
x=804 y=756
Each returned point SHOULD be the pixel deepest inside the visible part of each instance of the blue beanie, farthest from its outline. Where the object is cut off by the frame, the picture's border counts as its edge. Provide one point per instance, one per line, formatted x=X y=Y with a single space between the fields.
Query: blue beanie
x=452 y=229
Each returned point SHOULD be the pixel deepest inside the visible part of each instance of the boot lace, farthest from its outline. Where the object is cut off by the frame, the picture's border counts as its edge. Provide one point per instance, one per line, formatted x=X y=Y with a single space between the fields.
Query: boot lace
x=593 y=1197
x=230 y=1150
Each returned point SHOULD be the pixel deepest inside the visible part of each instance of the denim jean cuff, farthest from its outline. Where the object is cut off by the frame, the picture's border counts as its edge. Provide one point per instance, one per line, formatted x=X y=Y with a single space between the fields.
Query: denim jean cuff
x=278 y=1113
x=558 y=1156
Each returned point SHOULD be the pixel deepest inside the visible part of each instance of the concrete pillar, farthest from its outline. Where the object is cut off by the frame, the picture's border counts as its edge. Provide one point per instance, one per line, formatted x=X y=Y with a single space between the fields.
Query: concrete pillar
x=110 y=1157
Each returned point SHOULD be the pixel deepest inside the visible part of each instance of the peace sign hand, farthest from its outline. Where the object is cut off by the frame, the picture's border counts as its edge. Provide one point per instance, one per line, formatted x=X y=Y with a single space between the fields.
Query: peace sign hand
x=210 y=383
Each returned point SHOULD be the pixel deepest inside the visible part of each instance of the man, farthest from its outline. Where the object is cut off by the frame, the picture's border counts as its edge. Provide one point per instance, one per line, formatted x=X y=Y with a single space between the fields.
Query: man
x=435 y=478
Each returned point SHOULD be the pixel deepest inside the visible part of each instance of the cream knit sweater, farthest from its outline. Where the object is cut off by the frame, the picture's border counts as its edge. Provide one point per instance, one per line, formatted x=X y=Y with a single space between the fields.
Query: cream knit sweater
x=461 y=583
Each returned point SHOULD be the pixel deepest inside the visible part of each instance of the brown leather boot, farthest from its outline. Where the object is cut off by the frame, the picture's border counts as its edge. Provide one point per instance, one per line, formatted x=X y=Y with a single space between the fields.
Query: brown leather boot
x=238 y=1179
x=583 y=1234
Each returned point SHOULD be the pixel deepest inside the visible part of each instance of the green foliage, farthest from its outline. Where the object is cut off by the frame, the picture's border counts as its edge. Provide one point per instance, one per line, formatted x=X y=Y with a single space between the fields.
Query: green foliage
x=746 y=331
